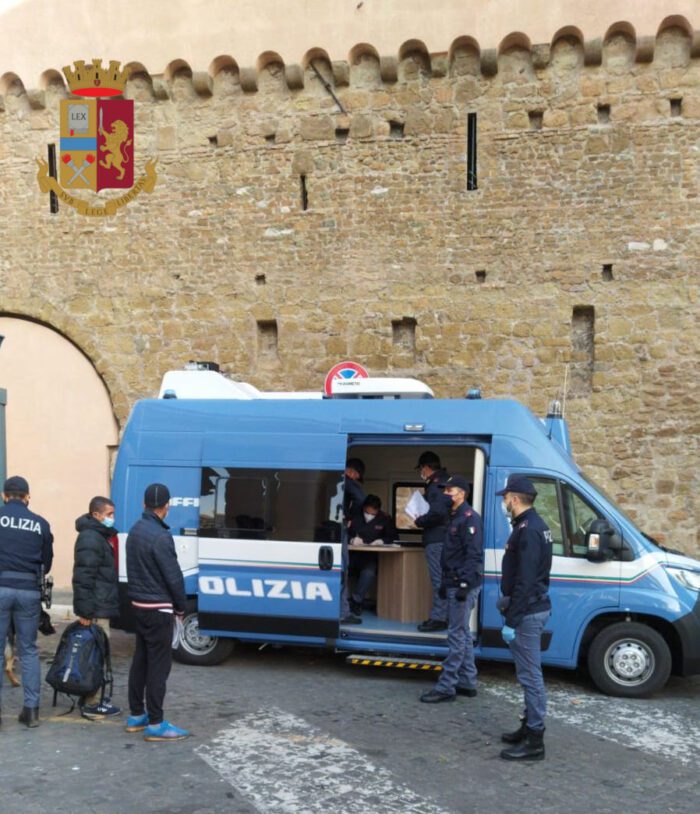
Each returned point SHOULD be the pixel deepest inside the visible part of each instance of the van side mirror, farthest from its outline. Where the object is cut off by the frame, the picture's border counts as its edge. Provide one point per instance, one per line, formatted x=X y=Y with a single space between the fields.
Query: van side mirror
x=602 y=541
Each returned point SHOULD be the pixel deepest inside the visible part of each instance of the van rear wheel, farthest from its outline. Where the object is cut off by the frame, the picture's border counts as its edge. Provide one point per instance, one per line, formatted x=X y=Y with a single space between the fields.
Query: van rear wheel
x=629 y=660
x=199 y=648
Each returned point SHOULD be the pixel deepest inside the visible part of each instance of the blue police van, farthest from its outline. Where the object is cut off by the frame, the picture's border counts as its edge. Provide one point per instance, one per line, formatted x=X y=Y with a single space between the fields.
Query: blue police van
x=257 y=515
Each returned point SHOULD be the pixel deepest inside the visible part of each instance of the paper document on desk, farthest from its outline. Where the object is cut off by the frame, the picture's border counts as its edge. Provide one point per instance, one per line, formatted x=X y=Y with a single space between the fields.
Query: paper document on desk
x=417 y=505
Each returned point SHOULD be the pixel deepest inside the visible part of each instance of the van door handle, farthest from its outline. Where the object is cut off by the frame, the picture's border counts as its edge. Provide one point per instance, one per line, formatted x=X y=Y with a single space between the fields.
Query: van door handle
x=325 y=558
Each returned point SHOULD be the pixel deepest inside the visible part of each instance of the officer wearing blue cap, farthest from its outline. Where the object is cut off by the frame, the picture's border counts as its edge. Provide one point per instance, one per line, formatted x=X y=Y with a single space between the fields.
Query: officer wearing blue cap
x=26 y=548
x=462 y=573
x=526 y=607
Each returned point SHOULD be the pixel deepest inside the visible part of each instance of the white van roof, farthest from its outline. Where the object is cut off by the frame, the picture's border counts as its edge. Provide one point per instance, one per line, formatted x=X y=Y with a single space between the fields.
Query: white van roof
x=202 y=383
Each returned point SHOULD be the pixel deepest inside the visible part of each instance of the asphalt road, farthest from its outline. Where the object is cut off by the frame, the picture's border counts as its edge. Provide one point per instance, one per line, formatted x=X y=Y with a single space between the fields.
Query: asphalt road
x=289 y=730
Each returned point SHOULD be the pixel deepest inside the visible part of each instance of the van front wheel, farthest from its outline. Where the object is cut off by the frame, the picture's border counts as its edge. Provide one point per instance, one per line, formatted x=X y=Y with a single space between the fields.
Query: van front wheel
x=629 y=660
x=198 y=648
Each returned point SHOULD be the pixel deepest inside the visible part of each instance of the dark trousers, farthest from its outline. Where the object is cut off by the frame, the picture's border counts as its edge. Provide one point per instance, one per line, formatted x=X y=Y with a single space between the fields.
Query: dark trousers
x=150 y=666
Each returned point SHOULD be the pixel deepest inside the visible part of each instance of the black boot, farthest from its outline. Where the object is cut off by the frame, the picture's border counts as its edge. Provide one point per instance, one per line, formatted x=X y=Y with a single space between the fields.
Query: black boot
x=29 y=716
x=531 y=748
x=518 y=735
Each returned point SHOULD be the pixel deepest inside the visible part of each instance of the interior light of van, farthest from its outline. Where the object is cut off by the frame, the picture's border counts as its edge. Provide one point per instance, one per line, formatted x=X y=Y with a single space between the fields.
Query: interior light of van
x=688 y=579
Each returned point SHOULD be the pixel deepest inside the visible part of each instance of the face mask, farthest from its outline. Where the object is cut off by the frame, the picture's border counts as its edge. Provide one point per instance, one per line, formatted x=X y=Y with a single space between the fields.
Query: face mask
x=108 y=522
x=369 y=517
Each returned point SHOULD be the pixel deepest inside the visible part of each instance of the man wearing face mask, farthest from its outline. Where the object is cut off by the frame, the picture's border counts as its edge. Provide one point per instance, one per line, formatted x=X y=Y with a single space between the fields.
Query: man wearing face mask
x=157 y=592
x=95 y=589
x=462 y=573
x=434 y=524
x=526 y=606
x=370 y=527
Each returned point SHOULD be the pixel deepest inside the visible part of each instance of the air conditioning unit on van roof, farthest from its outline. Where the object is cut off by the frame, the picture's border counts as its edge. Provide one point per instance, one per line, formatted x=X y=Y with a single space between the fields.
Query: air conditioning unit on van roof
x=205 y=383
x=380 y=388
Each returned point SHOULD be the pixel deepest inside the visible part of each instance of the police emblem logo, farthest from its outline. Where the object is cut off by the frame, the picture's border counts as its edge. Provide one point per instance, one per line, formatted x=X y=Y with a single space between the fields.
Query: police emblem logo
x=97 y=141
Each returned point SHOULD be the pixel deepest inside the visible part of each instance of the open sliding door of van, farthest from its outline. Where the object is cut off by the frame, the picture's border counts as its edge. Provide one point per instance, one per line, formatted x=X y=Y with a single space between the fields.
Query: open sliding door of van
x=269 y=536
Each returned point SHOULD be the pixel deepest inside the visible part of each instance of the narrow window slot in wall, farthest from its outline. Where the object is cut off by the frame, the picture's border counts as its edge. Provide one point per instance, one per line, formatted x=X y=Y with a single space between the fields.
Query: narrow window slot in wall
x=480 y=276
x=270 y=138
x=341 y=134
x=304 y=193
x=395 y=130
x=471 y=152
x=214 y=141
x=53 y=198
x=403 y=332
x=603 y=114
x=676 y=107
x=583 y=350
x=607 y=272
x=267 y=338
x=260 y=279
x=535 y=117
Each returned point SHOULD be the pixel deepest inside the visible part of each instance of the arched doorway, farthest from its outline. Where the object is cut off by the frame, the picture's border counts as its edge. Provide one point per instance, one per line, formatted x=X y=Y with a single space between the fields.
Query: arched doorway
x=60 y=428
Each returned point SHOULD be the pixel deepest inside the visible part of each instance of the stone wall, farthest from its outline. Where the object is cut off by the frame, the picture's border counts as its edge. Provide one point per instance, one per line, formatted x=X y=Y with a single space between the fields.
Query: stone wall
x=573 y=265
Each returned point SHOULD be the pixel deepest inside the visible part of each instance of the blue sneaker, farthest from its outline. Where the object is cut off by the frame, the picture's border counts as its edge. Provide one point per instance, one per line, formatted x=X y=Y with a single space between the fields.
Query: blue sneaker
x=94 y=712
x=136 y=723
x=164 y=731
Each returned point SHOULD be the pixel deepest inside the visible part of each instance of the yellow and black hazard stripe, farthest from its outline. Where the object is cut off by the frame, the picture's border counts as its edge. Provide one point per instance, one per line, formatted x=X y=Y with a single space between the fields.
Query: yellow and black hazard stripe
x=398 y=664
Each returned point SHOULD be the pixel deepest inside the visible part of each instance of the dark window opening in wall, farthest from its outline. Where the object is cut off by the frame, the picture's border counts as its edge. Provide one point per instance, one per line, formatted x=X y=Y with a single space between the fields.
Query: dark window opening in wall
x=267 y=337
x=603 y=114
x=260 y=279
x=607 y=272
x=53 y=198
x=676 y=107
x=404 y=334
x=270 y=138
x=583 y=350
x=341 y=134
x=481 y=276
x=471 y=151
x=304 y=193
x=535 y=117
x=214 y=141
x=396 y=130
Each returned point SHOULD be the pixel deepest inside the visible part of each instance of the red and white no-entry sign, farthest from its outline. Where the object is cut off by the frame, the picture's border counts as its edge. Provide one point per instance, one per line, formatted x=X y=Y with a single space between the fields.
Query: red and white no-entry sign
x=344 y=371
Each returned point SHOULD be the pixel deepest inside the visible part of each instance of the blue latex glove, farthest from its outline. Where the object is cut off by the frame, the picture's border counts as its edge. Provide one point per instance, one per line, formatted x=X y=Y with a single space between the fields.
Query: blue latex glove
x=508 y=634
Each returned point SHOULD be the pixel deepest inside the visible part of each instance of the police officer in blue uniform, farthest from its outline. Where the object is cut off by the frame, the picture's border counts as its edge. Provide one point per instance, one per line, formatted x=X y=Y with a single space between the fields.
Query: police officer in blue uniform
x=526 y=607
x=26 y=547
x=434 y=524
x=370 y=526
x=462 y=574
x=354 y=496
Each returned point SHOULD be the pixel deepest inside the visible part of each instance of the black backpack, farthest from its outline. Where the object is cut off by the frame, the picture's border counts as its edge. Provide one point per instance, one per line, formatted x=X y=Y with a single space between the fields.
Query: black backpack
x=82 y=664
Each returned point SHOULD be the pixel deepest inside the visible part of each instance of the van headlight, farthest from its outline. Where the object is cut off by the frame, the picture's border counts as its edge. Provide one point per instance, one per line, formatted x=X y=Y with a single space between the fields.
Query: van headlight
x=688 y=579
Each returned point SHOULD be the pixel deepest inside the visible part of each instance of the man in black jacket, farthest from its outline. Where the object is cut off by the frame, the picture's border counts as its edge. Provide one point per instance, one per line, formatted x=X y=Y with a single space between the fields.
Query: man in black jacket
x=156 y=591
x=526 y=607
x=26 y=548
x=369 y=526
x=95 y=591
x=462 y=575
x=434 y=524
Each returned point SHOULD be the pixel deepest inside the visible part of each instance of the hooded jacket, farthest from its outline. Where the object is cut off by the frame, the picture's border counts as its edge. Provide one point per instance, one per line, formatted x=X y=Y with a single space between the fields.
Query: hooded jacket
x=95 y=579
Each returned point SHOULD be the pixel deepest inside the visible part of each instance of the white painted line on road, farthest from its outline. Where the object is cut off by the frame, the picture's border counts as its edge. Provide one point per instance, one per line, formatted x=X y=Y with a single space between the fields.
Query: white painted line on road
x=282 y=764
x=637 y=723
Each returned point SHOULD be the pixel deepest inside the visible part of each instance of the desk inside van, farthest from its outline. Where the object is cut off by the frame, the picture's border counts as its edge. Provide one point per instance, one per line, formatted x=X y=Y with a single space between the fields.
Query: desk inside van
x=404 y=593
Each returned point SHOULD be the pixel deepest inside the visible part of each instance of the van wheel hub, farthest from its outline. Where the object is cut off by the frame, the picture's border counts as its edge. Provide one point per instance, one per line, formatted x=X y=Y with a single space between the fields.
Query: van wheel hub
x=629 y=662
x=193 y=641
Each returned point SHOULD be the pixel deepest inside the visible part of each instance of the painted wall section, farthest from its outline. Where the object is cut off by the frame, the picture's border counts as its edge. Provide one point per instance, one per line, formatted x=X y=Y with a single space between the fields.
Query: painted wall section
x=60 y=426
